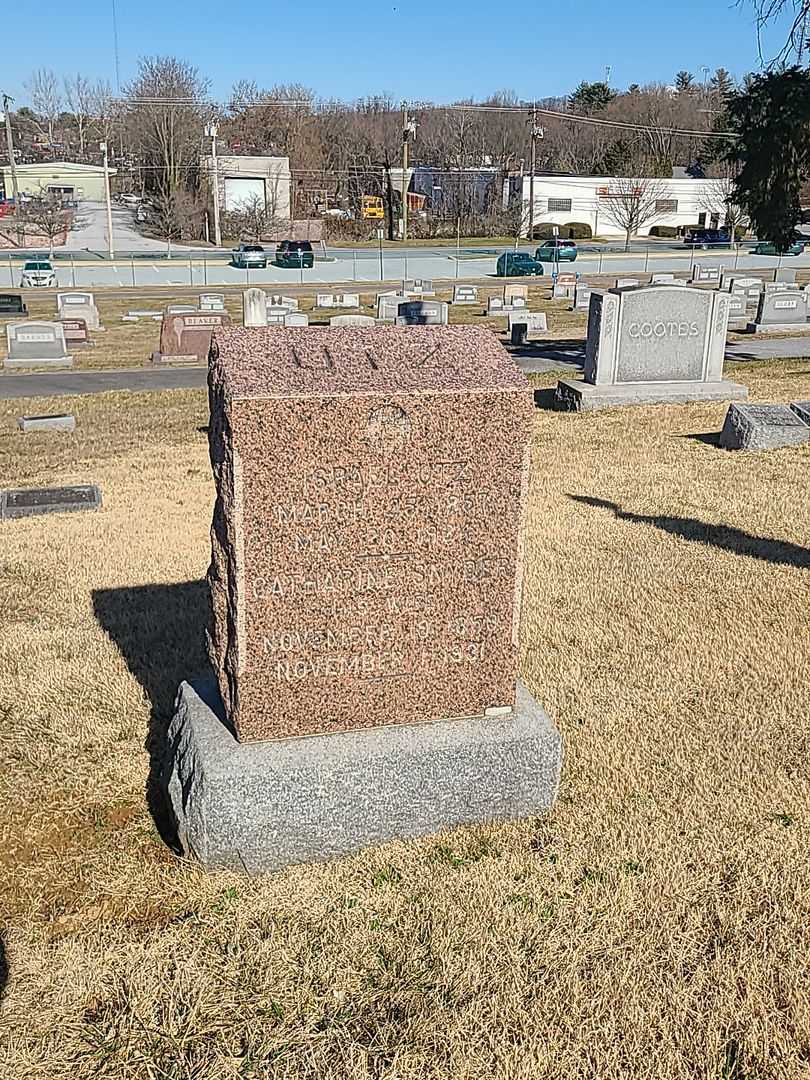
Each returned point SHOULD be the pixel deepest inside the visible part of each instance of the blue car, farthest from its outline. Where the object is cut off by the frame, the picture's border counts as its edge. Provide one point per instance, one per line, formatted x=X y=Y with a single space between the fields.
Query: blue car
x=556 y=251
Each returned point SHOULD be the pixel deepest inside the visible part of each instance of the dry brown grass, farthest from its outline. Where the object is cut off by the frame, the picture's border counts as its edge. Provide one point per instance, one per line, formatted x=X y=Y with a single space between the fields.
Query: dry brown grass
x=656 y=925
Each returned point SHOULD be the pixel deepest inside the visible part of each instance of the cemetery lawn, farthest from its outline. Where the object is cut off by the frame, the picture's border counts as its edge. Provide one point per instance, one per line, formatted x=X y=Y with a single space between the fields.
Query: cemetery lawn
x=655 y=925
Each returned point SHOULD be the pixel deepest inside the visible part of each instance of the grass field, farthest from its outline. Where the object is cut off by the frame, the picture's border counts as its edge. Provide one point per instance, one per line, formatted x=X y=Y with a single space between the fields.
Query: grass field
x=655 y=925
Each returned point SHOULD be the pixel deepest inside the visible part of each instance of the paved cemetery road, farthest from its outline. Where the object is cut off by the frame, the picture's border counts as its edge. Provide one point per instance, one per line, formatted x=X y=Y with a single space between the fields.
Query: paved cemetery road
x=540 y=357
x=137 y=380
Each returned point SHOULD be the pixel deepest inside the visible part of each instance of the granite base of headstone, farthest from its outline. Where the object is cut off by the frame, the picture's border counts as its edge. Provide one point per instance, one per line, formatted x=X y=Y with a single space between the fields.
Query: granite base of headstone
x=657 y=344
x=802 y=410
x=36 y=344
x=762 y=427
x=32 y=502
x=311 y=741
x=352 y=320
x=53 y=422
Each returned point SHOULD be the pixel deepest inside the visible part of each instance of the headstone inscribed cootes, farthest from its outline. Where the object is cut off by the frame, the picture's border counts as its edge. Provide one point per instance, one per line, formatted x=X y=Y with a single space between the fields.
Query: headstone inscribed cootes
x=657 y=343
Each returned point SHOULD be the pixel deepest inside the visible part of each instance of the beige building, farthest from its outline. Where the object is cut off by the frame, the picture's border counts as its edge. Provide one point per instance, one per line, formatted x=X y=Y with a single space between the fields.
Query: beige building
x=243 y=179
x=70 y=178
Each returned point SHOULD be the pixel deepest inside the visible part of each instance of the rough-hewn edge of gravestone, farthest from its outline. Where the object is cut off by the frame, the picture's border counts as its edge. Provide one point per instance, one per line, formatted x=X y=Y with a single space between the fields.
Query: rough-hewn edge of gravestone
x=573 y=395
x=258 y=807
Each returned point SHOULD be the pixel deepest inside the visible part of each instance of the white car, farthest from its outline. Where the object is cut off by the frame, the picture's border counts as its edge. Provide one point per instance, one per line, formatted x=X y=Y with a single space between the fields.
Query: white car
x=38 y=275
x=130 y=200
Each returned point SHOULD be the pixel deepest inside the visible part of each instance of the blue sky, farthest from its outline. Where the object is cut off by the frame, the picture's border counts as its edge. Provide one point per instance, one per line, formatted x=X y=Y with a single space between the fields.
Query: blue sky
x=438 y=50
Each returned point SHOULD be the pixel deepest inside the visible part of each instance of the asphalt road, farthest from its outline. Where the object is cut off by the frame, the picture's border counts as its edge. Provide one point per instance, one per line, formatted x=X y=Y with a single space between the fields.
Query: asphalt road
x=142 y=261
x=543 y=356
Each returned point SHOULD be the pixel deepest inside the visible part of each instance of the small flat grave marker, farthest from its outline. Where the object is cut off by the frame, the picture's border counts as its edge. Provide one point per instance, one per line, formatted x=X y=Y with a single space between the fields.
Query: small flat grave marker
x=28 y=502
x=802 y=410
x=422 y=313
x=762 y=427
x=54 y=422
x=627 y=283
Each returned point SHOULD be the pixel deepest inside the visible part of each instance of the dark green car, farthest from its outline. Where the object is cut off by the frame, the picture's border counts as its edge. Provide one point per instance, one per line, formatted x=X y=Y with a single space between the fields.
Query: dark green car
x=518 y=264
x=556 y=251
x=767 y=248
x=293 y=254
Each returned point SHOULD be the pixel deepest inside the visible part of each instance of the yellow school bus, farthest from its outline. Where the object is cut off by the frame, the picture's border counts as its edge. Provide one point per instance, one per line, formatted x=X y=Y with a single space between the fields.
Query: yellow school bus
x=371 y=206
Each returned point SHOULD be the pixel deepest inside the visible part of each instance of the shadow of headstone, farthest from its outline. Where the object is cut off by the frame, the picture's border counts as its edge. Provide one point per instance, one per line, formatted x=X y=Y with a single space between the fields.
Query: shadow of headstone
x=160 y=632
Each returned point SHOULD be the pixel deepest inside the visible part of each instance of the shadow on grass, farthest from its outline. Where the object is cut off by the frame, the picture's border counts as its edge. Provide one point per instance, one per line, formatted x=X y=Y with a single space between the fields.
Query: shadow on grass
x=568 y=352
x=160 y=632
x=544 y=399
x=3 y=967
x=778 y=552
x=710 y=438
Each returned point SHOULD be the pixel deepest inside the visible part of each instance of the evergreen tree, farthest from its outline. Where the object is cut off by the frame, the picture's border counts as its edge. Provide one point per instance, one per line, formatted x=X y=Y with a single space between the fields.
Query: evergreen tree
x=722 y=83
x=591 y=97
x=685 y=82
x=772 y=151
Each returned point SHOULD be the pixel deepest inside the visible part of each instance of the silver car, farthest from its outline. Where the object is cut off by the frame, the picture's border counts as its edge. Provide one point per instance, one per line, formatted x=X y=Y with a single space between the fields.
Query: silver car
x=38 y=275
x=250 y=255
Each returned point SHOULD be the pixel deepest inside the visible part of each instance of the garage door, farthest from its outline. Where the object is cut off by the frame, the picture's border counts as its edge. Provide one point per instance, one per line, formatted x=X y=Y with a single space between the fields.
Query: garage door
x=240 y=190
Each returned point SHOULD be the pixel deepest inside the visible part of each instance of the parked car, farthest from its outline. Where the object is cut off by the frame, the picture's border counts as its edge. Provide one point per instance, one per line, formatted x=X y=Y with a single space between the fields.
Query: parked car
x=518 y=264
x=705 y=238
x=128 y=199
x=38 y=275
x=292 y=254
x=765 y=247
x=249 y=255
x=556 y=250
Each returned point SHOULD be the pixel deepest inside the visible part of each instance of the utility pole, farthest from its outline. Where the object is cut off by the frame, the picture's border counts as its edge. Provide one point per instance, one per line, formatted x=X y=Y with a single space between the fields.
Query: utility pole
x=408 y=131
x=15 y=190
x=110 y=240
x=211 y=132
x=536 y=133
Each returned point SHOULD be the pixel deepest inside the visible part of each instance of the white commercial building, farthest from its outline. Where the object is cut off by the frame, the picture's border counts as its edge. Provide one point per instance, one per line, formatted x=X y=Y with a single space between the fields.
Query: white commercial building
x=243 y=179
x=589 y=200
x=70 y=179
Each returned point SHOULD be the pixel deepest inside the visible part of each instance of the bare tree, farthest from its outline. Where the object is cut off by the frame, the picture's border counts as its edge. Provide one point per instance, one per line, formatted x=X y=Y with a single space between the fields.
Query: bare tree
x=253 y=219
x=164 y=124
x=632 y=202
x=175 y=215
x=80 y=99
x=795 y=42
x=43 y=89
x=49 y=218
x=716 y=198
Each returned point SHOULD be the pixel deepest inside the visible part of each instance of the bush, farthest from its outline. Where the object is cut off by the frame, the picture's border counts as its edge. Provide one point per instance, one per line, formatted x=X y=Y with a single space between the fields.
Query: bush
x=572 y=230
x=669 y=231
x=576 y=230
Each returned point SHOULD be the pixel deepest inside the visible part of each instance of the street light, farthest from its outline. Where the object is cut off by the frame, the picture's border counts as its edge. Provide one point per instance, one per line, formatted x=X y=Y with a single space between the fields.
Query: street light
x=110 y=241
x=211 y=132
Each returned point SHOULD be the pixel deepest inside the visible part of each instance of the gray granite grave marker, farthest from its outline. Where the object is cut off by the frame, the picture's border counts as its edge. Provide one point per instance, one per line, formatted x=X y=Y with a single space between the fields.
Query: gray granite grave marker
x=465 y=294
x=254 y=307
x=78 y=305
x=54 y=422
x=422 y=313
x=37 y=344
x=802 y=410
x=661 y=343
x=12 y=304
x=28 y=502
x=212 y=301
x=352 y=320
x=780 y=309
x=762 y=427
